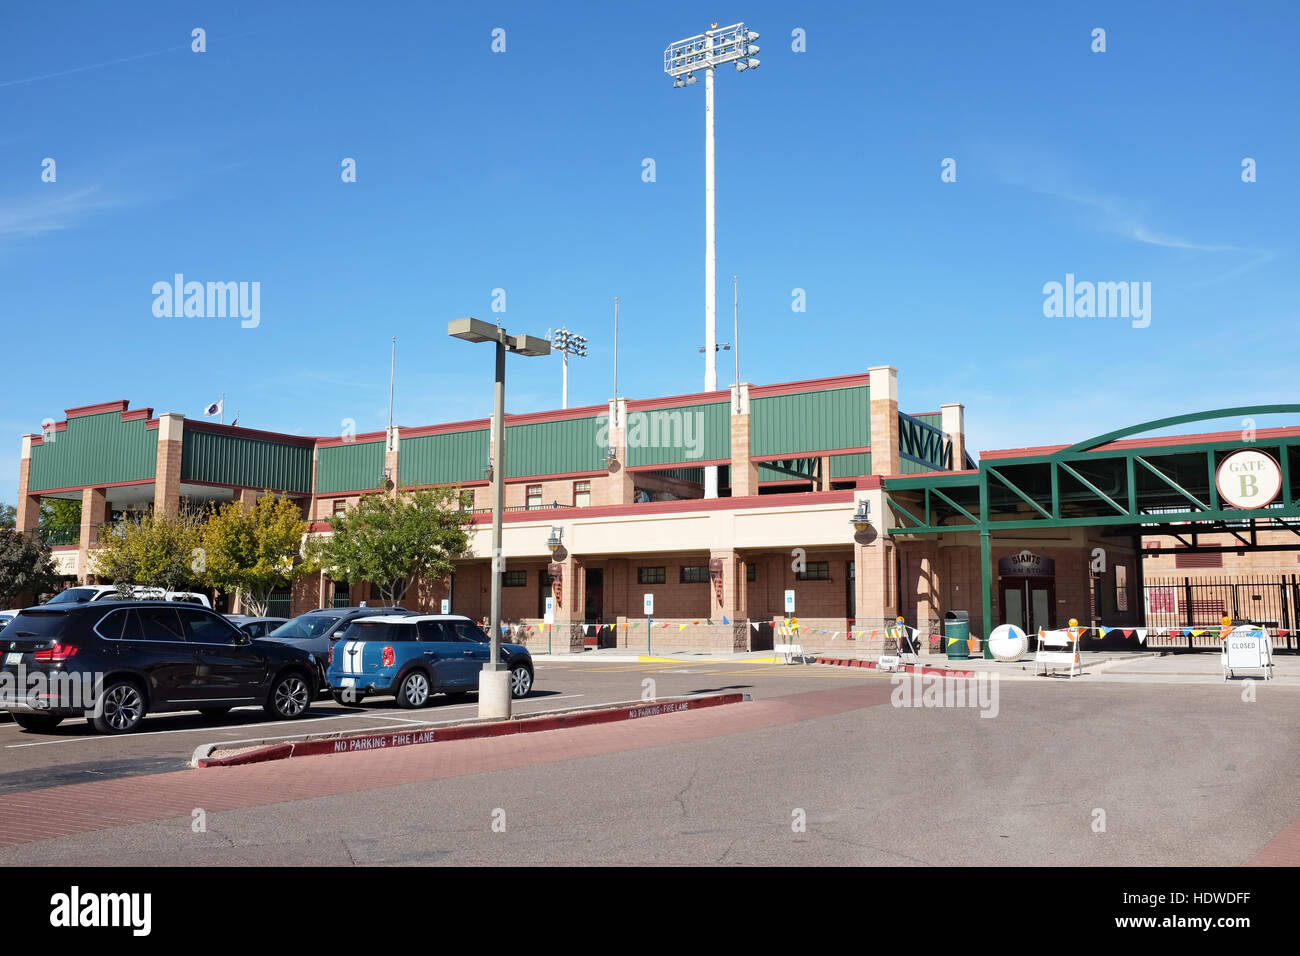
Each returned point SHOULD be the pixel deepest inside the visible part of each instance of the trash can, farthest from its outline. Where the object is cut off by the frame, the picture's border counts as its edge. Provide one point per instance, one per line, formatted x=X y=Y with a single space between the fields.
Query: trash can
x=956 y=631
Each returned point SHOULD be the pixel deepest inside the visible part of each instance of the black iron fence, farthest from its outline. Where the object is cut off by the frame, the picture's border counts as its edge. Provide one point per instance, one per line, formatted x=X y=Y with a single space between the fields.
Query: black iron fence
x=1186 y=604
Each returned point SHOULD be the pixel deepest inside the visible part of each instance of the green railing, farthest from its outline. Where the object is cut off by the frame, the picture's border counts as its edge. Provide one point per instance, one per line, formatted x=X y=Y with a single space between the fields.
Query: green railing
x=56 y=537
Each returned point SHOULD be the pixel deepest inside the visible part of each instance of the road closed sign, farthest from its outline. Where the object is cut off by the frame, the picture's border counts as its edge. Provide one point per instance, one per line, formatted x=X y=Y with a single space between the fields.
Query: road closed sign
x=1248 y=479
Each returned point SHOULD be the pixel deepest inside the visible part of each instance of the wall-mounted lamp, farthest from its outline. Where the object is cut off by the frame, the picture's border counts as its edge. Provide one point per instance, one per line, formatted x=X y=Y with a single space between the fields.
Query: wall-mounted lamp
x=861 y=519
x=489 y=470
x=611 y=456
x=556 y=539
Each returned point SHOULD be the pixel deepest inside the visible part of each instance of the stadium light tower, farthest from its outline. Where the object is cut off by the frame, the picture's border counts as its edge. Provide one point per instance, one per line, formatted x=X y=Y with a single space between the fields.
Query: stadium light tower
x=682 y=60
x=568 y=343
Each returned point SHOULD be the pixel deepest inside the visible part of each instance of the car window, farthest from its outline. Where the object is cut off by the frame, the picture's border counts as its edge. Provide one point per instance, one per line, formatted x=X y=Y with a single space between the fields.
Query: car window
x=254 y=630
x=203 y=628
x=121 y=625
x=73 y=596
x=37 y=623
x=436 y=631
x=469 y=632
x=160 y=624
x=309 y=625
x=364 y=630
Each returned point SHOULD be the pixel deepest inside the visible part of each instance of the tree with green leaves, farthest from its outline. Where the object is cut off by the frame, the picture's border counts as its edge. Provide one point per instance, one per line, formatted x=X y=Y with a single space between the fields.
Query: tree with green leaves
x=8 y=516
x=26 y=567
x=253 y=551
x=153 y=550
x=391 y=540
x=60 y=515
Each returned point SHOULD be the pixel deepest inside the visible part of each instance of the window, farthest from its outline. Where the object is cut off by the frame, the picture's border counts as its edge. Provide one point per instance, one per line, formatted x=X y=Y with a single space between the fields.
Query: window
x=534 y=496
x=514 y=579
x=435 y=631
x=204 y=628
x=468 y=632
x=160 y=624
x=342 y=594
x=751 y=572
x=694 y=574
x=340 y=505
x=120 y=625
x=581 y=494
x=650 y=576
x=815 y=571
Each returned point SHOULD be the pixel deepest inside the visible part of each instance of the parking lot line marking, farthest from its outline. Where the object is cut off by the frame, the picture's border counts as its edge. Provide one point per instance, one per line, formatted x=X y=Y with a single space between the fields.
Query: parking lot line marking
x=210 y=730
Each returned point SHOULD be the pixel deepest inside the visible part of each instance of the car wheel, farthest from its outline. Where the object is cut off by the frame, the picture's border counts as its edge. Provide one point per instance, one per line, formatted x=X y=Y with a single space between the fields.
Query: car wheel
x=214 y=711
x=347 y=698
x=37 y=722
x=414 y=691
x=521 y=682
x=120 y=708
x=290 y=697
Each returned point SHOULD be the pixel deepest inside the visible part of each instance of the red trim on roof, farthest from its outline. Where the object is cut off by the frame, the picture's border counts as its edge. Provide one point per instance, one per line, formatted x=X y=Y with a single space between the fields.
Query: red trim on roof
x=669 y=401
x=477 y=424
x=1201 y=438
x=136 y=413
x=809 y=385
x=559 y=414
x=118 y=406
x=919 y=414
x=367 y=438
x=236 y=432
x=842 y=496
x=151 y=423
x=275 y=491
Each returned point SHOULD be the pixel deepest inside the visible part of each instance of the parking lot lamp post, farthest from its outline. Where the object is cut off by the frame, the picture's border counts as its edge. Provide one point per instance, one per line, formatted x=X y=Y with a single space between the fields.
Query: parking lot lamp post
x=494 y=683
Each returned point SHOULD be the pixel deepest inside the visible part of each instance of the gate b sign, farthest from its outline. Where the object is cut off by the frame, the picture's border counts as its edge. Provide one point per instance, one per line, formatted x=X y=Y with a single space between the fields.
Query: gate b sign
x=1248 y=479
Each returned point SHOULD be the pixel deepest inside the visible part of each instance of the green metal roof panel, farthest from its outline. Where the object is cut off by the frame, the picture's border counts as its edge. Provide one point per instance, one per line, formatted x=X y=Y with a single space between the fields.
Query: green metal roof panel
x=680 y=434
x=352 y=466
x=247 y=462
x=95 y=450
x=445 y=458
x=554 y=448
x=810 y=421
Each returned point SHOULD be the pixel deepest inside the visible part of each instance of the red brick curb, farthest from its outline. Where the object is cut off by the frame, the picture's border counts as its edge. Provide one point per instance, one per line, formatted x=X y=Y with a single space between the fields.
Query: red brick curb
x=907 y=668
x=501 y=728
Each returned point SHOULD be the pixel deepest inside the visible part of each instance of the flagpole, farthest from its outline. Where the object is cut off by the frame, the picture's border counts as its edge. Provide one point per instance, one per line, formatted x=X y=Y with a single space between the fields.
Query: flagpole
x=222 y=409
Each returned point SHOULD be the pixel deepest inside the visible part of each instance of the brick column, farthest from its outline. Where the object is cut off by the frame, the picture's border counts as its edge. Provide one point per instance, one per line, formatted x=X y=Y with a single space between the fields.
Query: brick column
x=616 y=487
x=927 y=588
x=953 y=424
x=167 y=472
x=392 y=452
x=744 y=473
x=875 y=572
x=567 y=634
x=94 y=507
x=28 y=505
x=248 y=498
x=884 y=421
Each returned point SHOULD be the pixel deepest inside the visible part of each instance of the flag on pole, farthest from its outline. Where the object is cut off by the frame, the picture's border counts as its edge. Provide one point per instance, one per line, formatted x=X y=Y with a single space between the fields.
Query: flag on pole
x=213 y=410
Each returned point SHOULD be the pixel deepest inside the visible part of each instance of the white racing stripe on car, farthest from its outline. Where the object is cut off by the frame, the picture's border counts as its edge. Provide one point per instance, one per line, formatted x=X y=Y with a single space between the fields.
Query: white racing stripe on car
x=353 y=653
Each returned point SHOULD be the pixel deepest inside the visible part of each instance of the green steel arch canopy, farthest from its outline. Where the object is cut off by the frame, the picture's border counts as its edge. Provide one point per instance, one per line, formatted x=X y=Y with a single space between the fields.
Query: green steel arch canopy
x=1124 y=484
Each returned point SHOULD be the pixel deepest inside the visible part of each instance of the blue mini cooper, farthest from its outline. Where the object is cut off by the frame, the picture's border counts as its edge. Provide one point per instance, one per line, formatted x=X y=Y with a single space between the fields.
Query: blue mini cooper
x=414 y=657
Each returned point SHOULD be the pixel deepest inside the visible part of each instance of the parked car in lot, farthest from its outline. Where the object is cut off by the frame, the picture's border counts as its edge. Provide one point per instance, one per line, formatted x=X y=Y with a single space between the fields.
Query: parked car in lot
x=413 y=657
x=256 y=626
x=88 y=593
x=114 y=662
x=316 y=630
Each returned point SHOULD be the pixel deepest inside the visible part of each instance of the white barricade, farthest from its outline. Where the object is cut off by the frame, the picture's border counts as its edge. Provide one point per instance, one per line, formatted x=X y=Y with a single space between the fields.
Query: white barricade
x=1057 y=647
x=1247 y=647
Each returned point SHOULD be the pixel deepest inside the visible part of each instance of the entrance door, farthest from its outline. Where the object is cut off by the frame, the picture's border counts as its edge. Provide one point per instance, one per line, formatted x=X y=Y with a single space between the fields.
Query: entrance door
x=1029 y=603
x=595 y=581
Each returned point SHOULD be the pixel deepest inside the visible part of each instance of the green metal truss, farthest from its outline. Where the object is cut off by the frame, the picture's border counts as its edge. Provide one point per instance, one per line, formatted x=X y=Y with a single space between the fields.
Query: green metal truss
x=1065 y=488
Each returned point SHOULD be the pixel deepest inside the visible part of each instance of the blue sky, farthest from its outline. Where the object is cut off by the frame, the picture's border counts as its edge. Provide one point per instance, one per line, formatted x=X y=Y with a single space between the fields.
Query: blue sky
x=522 y=171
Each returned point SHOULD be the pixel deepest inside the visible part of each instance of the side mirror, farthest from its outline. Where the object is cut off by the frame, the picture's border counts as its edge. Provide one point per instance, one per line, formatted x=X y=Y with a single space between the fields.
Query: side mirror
x=337 y=635
x=243 y=637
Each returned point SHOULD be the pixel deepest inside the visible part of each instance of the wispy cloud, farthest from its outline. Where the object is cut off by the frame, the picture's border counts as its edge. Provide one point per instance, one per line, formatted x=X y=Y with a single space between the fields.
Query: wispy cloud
x=52 y=211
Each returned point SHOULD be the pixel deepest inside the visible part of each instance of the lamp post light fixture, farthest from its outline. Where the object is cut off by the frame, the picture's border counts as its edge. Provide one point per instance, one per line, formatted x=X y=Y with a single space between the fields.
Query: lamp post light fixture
x=556 y=540
x=682 y=60
x=567 y=343
x=494 y=683
x=861 y=519
x=611 y=457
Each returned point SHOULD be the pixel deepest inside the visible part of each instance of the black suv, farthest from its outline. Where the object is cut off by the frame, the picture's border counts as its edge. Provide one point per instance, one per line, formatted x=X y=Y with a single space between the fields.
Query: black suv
x=114 y=662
